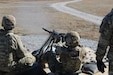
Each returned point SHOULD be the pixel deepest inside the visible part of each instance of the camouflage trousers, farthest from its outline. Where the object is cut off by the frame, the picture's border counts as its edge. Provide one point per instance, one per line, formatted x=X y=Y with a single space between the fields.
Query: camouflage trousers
x=7 y=73
x=110 y=68
x=110 y=57
x=18 y=69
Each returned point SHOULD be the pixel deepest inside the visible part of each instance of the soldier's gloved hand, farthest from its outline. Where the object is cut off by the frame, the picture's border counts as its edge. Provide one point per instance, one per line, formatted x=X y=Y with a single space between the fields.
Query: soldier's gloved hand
x=100 y=66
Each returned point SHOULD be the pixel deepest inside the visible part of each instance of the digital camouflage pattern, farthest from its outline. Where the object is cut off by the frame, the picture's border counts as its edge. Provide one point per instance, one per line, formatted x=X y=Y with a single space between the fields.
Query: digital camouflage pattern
x=105 y=40
x=13 y=55
x=6 y=60
x=73 y=55
x=69 y=54
x=70 y=59
x=8 y=21
x=72 y=38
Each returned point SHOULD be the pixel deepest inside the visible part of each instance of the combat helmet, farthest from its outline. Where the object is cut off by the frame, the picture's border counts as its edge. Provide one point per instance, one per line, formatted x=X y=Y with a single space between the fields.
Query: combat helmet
x=8 y=22
x=72 y=38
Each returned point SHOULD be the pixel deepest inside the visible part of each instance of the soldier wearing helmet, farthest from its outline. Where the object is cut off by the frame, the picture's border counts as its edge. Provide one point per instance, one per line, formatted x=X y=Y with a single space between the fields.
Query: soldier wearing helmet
x=8 y=22
x=72 y=39
x=13 y=55
x=73 y=55
x=69 y=54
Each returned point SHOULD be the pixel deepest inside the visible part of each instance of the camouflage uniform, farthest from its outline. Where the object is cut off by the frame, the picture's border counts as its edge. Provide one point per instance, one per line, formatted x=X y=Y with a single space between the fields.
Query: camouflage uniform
x=14 y=56
x=69 y=55
x=105 y=40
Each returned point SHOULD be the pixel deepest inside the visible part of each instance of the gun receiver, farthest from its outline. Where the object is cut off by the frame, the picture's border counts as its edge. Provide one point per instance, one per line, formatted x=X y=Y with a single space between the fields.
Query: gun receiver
x=54 y=32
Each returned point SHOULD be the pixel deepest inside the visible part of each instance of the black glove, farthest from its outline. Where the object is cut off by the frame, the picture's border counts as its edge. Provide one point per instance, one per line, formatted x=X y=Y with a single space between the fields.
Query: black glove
x=101 y=66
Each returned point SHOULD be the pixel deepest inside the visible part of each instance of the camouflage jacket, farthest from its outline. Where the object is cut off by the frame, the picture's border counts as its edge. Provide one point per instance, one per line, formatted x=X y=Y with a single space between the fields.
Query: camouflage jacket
x=14 y=53
x=69 y=57
x=106 y=35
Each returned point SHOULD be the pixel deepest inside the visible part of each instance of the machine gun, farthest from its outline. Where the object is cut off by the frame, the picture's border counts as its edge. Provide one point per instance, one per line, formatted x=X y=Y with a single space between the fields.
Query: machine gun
x=54 y=37
x=37 y=68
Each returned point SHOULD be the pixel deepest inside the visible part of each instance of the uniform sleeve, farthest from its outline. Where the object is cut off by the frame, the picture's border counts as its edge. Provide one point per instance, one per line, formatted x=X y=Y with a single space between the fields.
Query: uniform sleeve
x=19 y=48
x=105 y=38
x=21 y=55
x=101 y=49
x=58 y=50
x=112 y=22
x=103 y=25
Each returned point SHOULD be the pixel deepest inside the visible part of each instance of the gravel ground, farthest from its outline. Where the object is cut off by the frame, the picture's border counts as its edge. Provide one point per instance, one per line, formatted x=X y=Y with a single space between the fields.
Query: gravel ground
x=34 y=42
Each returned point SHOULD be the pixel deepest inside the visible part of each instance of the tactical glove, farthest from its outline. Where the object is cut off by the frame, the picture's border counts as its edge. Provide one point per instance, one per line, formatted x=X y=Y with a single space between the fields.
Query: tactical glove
x=101 y=66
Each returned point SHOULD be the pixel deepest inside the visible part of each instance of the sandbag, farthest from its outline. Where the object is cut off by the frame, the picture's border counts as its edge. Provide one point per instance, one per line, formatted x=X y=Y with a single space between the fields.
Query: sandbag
x=89 y=68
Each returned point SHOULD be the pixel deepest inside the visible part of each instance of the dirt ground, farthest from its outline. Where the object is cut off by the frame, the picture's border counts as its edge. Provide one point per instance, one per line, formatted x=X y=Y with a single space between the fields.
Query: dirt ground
x=63 y=22
x=96 y=7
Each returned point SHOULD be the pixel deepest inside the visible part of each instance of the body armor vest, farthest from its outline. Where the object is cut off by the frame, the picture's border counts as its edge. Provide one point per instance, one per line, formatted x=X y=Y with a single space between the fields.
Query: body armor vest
x=6 y=56
x=70 y=60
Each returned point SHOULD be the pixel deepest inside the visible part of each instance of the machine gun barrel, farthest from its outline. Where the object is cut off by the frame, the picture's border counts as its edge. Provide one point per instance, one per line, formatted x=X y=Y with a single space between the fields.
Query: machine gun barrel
x=54 y=32
x=54 y=37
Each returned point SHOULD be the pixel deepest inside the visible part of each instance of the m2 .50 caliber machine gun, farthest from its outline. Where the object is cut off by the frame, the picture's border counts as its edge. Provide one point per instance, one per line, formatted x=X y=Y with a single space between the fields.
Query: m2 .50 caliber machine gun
x=46 y=53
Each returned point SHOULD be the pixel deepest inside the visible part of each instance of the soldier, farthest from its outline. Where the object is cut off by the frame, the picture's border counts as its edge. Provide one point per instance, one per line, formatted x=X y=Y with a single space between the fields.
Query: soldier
x=14 y=57
x=105 y=42
x=69 y=54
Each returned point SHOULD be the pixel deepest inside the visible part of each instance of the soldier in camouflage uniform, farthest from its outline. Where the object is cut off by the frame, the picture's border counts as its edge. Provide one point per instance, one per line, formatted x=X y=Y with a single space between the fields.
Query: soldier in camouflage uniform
x=105 y=42
x=14 y=57
x=69 y=54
